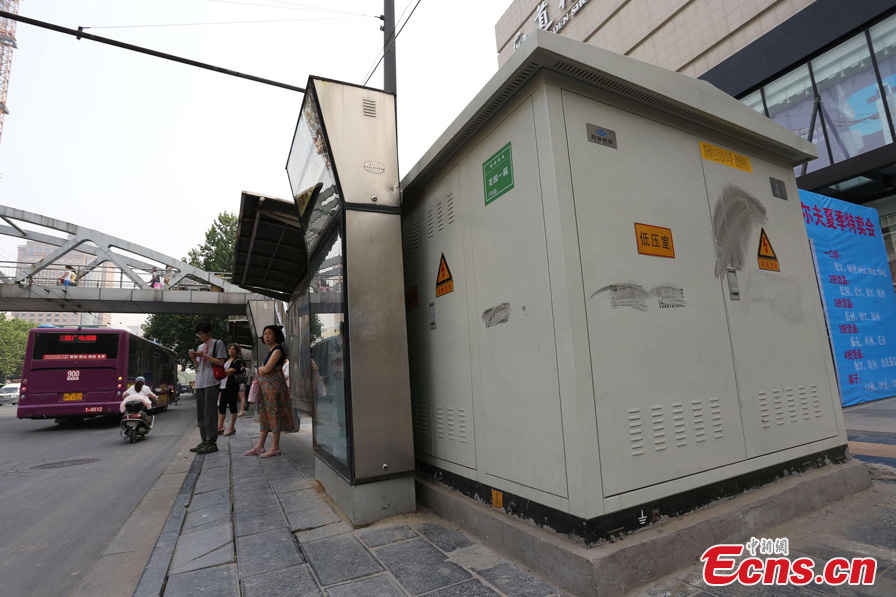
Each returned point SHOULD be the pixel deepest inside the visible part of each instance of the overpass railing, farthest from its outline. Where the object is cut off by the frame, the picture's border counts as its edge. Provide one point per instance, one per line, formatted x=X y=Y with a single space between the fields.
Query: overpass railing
x=104 y=276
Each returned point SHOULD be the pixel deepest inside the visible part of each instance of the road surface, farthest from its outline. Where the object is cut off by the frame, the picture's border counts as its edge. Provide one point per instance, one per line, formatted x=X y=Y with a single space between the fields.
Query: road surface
x=66 y=491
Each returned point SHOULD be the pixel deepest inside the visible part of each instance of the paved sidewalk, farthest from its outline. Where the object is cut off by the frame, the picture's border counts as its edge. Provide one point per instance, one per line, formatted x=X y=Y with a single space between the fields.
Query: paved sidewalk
x=248 y=526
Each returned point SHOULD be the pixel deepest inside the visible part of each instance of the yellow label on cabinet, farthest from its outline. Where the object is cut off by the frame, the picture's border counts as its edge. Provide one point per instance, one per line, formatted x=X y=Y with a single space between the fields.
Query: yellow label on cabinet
x=654 y=240
x=725 y=157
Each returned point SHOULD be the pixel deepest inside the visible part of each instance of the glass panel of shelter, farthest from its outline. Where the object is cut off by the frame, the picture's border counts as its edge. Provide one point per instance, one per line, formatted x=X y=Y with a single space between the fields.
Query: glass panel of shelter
x=327 y=353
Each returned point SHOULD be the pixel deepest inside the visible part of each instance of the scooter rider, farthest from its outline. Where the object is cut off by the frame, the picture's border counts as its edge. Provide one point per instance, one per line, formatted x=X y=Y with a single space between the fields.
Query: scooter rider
x=140 y=393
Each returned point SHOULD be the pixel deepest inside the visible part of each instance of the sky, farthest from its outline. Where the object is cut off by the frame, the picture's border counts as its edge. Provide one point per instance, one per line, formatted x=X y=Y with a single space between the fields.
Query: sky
x=151 y=150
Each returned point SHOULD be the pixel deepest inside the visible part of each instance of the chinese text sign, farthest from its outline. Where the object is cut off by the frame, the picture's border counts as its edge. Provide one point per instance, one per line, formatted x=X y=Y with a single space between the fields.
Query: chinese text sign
x=857 y=291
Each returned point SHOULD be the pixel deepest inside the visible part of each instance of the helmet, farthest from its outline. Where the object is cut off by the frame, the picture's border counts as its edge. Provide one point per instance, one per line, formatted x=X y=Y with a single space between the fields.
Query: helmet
x=139 y=379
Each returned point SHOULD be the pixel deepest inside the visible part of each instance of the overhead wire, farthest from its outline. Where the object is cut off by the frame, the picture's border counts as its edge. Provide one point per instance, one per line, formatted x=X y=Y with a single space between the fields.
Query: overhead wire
x=293 y=6
x=224 y=23
x=382 y=53
x=390 y=42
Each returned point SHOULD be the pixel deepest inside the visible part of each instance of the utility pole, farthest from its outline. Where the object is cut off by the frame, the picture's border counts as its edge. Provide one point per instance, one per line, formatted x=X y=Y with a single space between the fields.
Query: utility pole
x=389 y=83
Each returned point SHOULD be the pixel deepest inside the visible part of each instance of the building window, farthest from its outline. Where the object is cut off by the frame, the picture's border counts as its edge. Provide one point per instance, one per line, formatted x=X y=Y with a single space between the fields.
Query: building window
x=883 y=41
x=790 y=102
x=850 y=99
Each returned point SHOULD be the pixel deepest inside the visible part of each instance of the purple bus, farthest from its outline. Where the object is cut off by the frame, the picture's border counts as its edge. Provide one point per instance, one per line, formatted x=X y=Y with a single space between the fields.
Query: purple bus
x=70 y=374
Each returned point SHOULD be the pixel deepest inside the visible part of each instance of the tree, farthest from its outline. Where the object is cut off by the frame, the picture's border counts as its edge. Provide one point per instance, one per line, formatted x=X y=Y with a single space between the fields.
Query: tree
x=177 y=332
x=13 y=337
x=216 y=254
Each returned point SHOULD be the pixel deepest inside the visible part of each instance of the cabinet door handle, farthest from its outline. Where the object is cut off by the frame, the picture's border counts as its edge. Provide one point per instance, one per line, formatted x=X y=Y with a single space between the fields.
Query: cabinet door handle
x=733 y=288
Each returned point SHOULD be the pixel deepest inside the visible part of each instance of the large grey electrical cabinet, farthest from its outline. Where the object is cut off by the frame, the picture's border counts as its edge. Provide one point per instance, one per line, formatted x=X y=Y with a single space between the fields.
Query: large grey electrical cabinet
x=609 y=290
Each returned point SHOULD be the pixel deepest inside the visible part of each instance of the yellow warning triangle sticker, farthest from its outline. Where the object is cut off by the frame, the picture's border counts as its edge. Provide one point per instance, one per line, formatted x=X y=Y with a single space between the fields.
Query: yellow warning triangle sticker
x=444 y=272
x=444 y=281
x=766 y=254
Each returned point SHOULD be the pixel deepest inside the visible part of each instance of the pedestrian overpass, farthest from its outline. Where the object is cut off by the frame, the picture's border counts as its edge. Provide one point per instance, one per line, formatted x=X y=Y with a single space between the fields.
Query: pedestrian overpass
x=116 y=280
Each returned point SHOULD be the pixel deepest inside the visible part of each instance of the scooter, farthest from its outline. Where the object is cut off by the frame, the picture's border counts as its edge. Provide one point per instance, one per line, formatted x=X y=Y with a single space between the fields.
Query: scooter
x=173 y=395
x=136 y=421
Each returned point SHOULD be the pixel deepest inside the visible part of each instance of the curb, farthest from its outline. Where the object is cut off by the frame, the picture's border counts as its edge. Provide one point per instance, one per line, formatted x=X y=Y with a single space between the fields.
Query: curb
x=152 y=582
x=654 y=552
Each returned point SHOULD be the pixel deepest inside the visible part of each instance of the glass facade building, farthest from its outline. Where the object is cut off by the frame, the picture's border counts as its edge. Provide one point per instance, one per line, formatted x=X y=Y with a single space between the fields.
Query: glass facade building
x=842 y=100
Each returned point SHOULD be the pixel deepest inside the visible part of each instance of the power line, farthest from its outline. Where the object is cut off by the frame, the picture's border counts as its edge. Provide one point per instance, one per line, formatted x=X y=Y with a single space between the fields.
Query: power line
x=392 y=41
x=294 y=6
x=79 y=34
x=382 y=53
x=224 y=23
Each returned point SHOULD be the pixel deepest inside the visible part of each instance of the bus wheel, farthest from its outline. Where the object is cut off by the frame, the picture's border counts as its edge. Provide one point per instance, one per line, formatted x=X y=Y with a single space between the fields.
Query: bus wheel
x=132 y=435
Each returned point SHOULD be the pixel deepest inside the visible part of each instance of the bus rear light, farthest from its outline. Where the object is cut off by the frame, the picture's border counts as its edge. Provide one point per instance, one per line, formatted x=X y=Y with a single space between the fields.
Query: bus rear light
x=119 y=379
x=24 y=381
x=119 y=386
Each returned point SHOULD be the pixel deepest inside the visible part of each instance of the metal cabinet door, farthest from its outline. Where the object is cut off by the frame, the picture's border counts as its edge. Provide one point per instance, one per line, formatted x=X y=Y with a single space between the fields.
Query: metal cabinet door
x=521 y=414
x=439 y=338
x=664 y=384
x=780 y=350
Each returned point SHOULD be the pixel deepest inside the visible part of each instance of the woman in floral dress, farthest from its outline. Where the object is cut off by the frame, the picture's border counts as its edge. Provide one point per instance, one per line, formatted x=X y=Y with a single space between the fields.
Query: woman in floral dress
x=275 y=412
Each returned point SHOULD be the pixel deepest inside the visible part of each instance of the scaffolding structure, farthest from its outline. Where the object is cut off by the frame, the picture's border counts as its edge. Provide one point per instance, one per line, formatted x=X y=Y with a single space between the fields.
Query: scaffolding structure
x=7 y=45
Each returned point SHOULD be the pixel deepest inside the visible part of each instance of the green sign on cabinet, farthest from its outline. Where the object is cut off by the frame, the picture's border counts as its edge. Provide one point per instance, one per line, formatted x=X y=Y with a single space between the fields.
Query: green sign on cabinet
x=497 y=174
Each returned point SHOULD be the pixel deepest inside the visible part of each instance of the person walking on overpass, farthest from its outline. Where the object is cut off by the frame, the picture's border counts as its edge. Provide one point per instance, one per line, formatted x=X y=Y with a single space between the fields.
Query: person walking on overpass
x=210 y=352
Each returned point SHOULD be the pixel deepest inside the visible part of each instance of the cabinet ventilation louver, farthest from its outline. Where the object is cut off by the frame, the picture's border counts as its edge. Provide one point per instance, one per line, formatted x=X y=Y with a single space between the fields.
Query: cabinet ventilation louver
x=368 y=107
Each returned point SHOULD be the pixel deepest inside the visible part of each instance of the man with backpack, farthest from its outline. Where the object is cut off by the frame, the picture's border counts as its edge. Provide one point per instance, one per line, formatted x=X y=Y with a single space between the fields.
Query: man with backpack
x=210 y=352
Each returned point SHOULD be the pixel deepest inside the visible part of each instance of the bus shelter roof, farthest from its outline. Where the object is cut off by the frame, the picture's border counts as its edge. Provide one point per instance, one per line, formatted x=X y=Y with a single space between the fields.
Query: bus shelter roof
x=270 y=256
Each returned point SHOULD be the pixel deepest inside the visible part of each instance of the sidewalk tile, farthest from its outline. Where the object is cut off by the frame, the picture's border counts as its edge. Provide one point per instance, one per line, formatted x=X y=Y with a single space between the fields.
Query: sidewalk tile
x=329 y=530
x=311 y=519
x=307 y=499
x=256 y=498
x=375 y=537
x=374 y=586
x=340 y=558
x=220 y=581
x=878 y=528
x=470 y=588
x=444 y=538
x=258 y=520
x=209 y=499
x=244 y=472
x=293 y=483
x=265 y=552
x=250 y=484
x=195 y=550
x=511 y=580
x=222 y=555
x=202 y=519
x=211 y=480
x=216 y=460
x=419 y=566
x=295 y=581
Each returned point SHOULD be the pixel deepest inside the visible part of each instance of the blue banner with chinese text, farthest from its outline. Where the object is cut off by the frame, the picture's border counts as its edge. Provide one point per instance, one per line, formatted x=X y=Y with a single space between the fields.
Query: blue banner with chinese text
x=857 y=292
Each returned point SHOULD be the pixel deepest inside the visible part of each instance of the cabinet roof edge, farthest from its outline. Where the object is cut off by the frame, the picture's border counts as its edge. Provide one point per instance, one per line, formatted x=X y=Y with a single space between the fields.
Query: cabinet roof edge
x=659 y=88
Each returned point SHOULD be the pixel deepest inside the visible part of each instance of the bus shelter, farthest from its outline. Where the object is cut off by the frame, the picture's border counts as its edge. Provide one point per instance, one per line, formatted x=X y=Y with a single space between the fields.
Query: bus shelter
x=334 y=255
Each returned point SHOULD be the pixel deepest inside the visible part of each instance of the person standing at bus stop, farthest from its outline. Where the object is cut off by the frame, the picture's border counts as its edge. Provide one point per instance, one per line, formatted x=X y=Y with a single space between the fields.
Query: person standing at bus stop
x=210 y=352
